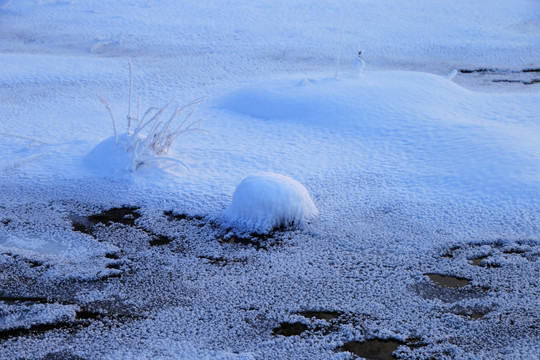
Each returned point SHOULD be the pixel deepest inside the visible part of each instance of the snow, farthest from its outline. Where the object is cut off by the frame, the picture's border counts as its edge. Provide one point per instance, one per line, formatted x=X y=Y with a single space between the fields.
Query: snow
x=266 y=201
x=415 y=168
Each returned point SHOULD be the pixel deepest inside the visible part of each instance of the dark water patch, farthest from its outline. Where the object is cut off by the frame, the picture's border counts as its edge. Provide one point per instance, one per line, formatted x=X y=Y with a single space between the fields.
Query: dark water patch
x=110 y=276
x=82 y=224
x=83 y=318
x=415 y=342
x=61 y=355
x=112 y=256
x=506 y=81
x=261 y=241
x=450 y=252
x=492 y=265
x=448 y=280
x=471 y=313
x=11 y=299
x=530 y=82
x=123 y=215
x=478 y=260
x=247 y=241
x=172 y=216
x=321 y=315
x=531 y=70
x=115 y=266
x=482 y=70
x=377 y=349
x=88 y=315
x=475 y=315
x=221 y=261
x=160 y=240
x=34 y=264
x=290 y=329
x=514 y=251
x=34 y=330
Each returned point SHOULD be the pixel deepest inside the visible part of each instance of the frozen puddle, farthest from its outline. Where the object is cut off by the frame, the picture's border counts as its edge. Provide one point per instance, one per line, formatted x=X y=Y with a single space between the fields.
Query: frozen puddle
x=373 y=349
x=448 y=280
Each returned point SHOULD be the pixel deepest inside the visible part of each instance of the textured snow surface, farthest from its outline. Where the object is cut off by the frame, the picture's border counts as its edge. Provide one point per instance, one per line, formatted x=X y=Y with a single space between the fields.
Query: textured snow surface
x=412 y=173
x=266 y=201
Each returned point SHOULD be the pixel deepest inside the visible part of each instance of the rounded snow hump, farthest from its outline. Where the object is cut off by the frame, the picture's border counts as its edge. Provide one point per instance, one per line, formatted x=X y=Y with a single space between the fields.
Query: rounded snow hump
x=266 y=201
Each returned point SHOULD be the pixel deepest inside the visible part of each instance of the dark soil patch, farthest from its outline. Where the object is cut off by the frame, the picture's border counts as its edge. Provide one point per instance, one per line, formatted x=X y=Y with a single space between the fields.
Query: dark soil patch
x=448 y=280
x=290 y=329
x=377 y=349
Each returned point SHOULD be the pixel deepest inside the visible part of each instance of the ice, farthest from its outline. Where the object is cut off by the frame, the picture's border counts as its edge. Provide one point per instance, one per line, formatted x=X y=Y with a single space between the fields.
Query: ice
x=421 y=156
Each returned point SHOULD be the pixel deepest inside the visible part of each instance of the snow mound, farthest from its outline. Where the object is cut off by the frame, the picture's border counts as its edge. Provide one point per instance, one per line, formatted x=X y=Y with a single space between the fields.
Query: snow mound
x=112 y=157
x=266 y=201
x=125 y=156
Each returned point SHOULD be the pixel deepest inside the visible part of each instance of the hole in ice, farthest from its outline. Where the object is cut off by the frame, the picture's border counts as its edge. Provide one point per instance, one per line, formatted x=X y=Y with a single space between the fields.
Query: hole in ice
x=290 y=329
x=448 y=280
x=378 y=349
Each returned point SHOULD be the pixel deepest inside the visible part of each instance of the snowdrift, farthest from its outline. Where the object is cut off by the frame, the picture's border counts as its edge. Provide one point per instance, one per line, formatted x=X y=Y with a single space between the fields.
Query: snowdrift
x=418 y=127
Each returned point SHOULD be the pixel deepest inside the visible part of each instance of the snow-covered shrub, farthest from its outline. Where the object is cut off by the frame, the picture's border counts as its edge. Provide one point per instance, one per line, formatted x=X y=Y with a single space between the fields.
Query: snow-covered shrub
x=266 y=201
x=149 y=136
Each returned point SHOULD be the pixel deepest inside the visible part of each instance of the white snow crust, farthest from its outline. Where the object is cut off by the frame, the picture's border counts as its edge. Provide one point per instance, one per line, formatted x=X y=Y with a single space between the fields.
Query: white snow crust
x=265 y=201
x=413 y=172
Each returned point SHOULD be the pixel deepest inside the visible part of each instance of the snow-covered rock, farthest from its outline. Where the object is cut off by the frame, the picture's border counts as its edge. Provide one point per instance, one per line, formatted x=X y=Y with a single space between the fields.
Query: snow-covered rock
x=266 y=201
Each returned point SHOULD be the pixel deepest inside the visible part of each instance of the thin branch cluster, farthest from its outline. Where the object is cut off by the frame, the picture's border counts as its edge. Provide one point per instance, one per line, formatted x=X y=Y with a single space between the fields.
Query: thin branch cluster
x=151 y=136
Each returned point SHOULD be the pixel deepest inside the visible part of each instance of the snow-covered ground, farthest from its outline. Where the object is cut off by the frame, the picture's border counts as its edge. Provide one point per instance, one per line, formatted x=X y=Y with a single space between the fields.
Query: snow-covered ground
x=413 y=172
